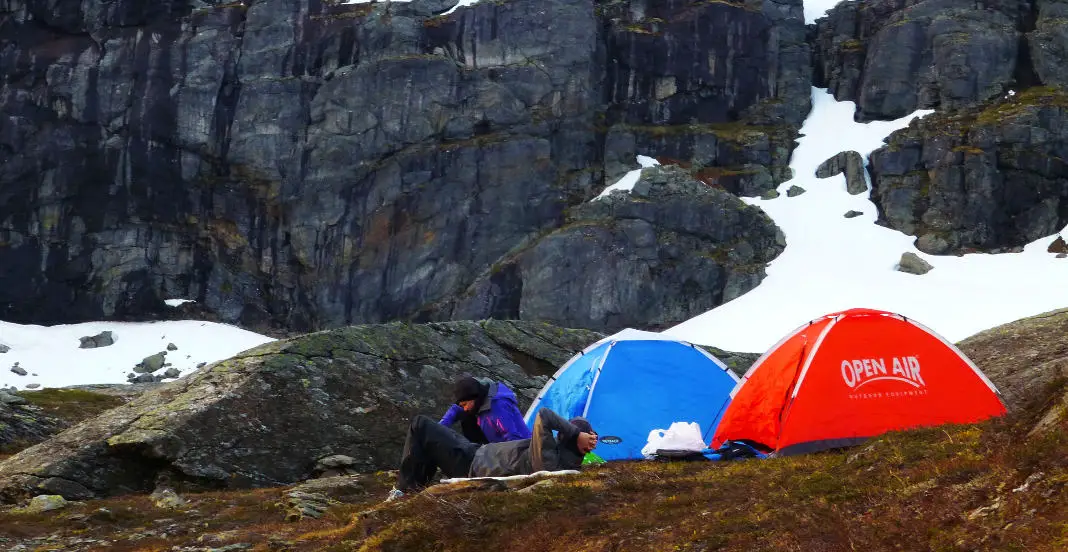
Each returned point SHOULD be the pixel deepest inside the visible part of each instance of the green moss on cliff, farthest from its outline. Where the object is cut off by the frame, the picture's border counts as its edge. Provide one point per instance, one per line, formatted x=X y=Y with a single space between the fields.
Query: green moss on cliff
x=851 y=45
x=1021 y=103
x=739 y=132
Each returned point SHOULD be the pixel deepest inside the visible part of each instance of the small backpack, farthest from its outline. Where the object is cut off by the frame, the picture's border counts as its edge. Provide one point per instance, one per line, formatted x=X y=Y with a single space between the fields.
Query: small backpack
x=737 y=450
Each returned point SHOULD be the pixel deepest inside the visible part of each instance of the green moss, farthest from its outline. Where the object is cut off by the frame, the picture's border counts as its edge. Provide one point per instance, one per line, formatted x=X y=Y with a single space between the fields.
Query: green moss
x=71 y=405
x=851 y=45
x=640 y=28
x=350 y=11
x=437 y=21
x=1023 y=102
x=739 y=132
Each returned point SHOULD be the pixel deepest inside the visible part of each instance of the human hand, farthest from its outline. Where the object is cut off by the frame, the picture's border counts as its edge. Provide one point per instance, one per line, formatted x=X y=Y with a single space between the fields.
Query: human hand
x=586 y=442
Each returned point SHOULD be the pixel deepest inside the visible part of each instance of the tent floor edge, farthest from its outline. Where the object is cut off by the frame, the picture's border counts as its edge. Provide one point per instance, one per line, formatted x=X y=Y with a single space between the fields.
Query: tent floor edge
x=820 y=445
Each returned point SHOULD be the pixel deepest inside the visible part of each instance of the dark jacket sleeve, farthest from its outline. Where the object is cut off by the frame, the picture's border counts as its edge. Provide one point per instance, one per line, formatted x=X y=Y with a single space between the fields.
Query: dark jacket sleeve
x=552 y=421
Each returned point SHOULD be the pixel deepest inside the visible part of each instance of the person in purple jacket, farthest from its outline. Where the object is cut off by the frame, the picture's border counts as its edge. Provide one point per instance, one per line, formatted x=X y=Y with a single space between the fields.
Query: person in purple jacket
x=488 y=412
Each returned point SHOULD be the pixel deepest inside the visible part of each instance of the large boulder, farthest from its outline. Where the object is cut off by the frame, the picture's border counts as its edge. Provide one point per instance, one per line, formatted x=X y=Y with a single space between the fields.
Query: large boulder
x=654 y=257
x=307 y=164
x=912 y=263
x=102 y=339
x=269 y=415
x=1024 y=357
x=991 y=178
x=849 y=163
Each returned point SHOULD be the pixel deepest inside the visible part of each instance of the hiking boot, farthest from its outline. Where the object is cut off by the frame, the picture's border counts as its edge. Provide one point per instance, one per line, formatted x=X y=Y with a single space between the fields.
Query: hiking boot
x=394 y=494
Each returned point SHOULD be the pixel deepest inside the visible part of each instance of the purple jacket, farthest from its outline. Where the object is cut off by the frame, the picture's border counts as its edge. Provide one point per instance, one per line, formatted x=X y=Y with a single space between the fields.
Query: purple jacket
x=499 y=415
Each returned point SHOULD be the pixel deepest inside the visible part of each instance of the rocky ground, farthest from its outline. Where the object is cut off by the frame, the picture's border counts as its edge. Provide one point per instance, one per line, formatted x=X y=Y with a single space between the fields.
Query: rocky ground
x=269 y=415
x=986 y=487
x=999 y=485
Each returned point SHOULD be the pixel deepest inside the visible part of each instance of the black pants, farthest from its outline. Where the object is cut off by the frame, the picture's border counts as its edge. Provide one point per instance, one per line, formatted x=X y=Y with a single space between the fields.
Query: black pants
x=431 y=446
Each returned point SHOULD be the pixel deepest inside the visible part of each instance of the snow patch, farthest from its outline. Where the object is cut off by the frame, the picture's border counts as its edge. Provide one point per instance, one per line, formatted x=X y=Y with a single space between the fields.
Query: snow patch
x=177 y=302
x=815 y=9
x=460 y=4
x=833 y=263
x=52 y=351
x=628 y=181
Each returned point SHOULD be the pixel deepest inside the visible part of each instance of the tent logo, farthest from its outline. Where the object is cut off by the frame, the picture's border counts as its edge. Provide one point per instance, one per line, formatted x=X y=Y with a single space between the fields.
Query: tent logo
x=859 y=372
x=609 y=440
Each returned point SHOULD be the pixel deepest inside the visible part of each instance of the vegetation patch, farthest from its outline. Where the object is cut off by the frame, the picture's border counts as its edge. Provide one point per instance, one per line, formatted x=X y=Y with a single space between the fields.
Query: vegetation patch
x=991 y=486
x=739 y=132
x=345 y=11
x=71 y=405
x=851 y=45
x=1023 y=102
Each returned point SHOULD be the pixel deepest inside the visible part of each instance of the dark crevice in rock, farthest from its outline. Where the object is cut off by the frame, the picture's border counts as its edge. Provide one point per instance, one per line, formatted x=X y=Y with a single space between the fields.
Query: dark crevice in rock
x=1025 y=75
x=229 y=94
x=531 y=365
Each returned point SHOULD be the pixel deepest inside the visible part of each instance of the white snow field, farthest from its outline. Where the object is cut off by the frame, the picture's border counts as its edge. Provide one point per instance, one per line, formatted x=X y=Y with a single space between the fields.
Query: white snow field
x=832 y=263
x=52 y=353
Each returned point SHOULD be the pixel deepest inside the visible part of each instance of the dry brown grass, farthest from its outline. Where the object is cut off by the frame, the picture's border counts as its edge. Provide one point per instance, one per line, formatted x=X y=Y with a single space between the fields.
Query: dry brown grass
x=943 y=489
x=946 y=488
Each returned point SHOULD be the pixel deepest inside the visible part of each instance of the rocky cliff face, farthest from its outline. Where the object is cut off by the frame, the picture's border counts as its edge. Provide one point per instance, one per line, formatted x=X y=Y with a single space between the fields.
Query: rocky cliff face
x=895 y=56
x=673 y=246
x=268 y=415
x=991 y=178
x=309 y=164
x=987 y=172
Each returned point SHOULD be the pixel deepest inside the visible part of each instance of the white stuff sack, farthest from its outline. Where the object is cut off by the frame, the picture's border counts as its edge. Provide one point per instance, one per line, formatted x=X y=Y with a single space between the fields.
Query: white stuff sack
x=680 y=436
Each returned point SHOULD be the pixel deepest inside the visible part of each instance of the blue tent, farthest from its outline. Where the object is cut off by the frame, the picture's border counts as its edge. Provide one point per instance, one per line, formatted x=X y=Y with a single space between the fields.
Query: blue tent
x=633 y=382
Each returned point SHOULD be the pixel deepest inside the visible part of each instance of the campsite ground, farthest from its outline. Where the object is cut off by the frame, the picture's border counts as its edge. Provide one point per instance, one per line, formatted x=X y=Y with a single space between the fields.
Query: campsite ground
x=994 y=486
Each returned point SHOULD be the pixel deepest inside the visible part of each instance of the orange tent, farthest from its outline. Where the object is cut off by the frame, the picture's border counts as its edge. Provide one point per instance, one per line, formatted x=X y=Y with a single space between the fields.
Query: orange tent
x=852 y=375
